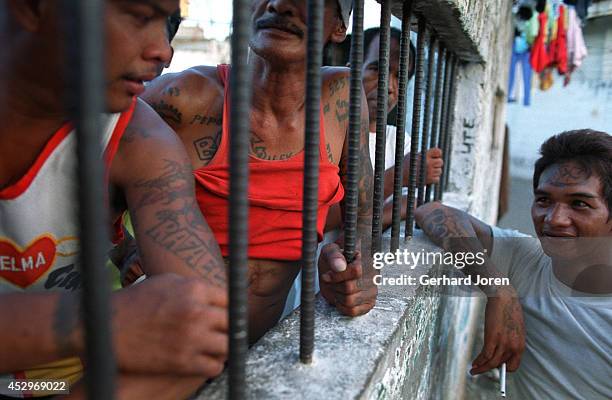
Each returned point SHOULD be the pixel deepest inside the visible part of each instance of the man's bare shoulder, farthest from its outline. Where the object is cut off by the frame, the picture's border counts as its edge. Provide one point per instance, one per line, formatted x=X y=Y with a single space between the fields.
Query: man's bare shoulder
x=336 y=81
x=147 y=141
x=179 y=97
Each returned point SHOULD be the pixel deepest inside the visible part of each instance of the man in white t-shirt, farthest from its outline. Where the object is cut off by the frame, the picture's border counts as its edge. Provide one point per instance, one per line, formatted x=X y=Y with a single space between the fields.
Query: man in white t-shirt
x=562 y=279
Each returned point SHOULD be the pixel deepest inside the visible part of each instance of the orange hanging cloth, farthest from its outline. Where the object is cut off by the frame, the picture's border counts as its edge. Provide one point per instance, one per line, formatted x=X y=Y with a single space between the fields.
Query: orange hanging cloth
x=558 y=47
x=539 y=55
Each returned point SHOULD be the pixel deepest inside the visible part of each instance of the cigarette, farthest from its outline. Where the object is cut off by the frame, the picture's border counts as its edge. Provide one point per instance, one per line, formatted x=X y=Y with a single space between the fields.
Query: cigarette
x=502 y=380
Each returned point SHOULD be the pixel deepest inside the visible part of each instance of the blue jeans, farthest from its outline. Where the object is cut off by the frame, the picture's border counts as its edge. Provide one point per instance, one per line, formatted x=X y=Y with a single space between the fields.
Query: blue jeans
x=523 y=59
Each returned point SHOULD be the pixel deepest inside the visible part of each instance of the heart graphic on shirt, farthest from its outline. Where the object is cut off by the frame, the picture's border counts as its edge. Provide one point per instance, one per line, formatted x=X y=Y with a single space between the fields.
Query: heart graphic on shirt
x=23 y=267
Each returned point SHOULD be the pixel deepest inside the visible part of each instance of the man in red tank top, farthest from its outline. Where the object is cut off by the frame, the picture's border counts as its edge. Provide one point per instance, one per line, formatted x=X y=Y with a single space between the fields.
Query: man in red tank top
x=165 y=345
x=195 y=104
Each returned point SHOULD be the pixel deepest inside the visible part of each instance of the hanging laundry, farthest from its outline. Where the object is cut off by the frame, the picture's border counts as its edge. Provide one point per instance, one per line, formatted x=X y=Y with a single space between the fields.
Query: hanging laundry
x=547 y=79
x=582 y=7
x=539 y=54
x=531 y=29
x=576 y=48
x=520 y=56
x=558 y=46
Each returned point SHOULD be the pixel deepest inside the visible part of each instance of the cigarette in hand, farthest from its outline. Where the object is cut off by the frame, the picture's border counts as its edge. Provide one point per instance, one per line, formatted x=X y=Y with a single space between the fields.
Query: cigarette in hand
x=502 y=380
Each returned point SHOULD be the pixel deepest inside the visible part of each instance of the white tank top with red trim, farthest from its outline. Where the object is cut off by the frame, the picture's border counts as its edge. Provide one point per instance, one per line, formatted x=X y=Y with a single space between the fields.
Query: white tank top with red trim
x=39 y=229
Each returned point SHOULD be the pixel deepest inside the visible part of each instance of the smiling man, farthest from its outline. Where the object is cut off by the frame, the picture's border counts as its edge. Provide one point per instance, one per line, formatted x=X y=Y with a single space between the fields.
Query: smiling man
x=165 y=345
x=195 y=104
x=563 y=278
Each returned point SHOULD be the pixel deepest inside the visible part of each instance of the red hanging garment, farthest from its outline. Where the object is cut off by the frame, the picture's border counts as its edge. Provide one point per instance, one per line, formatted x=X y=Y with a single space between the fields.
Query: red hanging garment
x=539 y=55
x=558 y=47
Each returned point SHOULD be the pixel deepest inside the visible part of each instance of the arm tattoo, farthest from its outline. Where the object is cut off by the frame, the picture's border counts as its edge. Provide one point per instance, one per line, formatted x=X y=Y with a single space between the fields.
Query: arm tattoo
x=330 y=155
x=199 y=119
x=172 y=91
x=66 y=321
x=207 y=146
x=366 y=175
x=168 y=112
x=179 y=227
x=132 y=133
x=453 y=231
x=338 y=84
x=342 y=110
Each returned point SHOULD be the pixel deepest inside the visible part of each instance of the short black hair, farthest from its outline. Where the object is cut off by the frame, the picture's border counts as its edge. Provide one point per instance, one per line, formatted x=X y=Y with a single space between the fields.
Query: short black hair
x=370 y=34
x=173 y=23
x=591 y=149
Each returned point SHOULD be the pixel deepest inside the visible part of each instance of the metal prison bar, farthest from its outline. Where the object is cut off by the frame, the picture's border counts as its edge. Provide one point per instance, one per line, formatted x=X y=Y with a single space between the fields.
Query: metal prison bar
x=443 y=118
x=239 y=204
x=381 y=124
x=85 y=103
x=435 y=124
x=311 y=177
x=416 y=128
x=351 y=193
x=426 y=121
x=401 y=124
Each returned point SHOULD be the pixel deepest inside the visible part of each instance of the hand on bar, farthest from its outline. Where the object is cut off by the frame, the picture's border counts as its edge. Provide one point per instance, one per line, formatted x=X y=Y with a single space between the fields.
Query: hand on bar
x=346 y=287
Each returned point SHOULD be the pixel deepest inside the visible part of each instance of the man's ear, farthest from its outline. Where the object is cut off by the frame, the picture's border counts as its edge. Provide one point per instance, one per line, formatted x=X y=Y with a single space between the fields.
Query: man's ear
x=28 y=13
x=339 y=33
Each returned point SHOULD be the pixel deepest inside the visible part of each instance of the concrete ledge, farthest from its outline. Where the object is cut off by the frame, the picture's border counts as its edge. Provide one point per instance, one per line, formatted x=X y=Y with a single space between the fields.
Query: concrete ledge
x=452 y=21
x=387 y=353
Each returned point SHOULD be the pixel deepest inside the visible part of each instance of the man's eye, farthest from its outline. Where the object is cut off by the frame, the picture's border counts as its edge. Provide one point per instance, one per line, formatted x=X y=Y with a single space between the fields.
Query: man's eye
x=541 y=201
x=142 y=17
x=580 y=204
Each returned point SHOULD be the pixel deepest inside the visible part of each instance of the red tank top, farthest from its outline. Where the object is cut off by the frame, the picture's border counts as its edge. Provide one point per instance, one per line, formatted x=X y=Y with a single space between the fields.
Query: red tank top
x=275 y=195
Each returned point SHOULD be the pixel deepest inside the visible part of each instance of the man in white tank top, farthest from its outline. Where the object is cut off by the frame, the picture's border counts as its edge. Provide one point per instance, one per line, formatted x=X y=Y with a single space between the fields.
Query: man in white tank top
x=165 y=345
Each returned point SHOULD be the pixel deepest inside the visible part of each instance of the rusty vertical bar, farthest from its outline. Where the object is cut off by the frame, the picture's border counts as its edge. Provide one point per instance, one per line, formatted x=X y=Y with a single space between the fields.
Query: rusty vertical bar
x=427 y=122
x=351 y=191
x=435 y=125
x=443 y=116
x=416 y=128
x=381 y=125
x=311 y=176
x=239 y=208
x=400 y=136
x=448 y=144
x=85 y=101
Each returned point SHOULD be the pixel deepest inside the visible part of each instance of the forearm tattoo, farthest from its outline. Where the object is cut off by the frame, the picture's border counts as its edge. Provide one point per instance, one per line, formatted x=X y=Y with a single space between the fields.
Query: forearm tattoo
x=179 y=227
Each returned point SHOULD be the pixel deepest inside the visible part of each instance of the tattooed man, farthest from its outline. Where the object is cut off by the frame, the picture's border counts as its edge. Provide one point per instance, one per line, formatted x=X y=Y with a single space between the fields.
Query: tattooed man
x=561 y=281
x=165 y=344
x=434 y=163
x=195 y=104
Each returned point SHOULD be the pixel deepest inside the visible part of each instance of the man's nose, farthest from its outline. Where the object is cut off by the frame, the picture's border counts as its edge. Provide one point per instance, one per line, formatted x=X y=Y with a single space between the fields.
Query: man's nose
x=282 y=7
x=159 y=49
x=557 y=216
